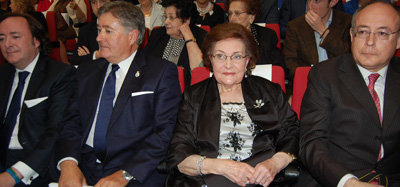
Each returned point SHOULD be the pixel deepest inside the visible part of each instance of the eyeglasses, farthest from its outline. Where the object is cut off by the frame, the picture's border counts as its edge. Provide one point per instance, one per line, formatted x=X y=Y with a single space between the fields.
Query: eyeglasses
x=380 y=34
x=235 y=58
x=169 y=17
x=236 y=14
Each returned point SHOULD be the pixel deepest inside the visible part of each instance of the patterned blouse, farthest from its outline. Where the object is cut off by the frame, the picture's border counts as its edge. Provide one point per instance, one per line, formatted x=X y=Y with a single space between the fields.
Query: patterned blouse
x=237 y=132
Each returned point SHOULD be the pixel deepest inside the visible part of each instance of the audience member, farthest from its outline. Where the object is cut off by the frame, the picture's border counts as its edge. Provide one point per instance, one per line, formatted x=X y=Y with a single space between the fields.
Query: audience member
x=120 y=120
x=28 y=7
x=178 y=41
x=87 y=46
x=34 y=92
x=320 y=34
x=350 y=112
x=269 y=12
x=292 y=9
x=207 y=13
x=232 y=127
x=244 y=12
x=75 y=9
x=153 y=13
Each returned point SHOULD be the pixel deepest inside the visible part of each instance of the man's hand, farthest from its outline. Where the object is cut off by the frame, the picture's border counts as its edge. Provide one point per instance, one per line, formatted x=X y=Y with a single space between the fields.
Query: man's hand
x=315 y=22
x=71 y=175
x=6 y=180
x=83 y=50
x=116 y=179
x=356 y=183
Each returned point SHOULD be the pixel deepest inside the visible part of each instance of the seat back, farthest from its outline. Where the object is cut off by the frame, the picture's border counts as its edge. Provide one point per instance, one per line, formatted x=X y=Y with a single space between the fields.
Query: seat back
x=205 y=27
x=299 y=87
x=199 y=74
x=278 y=76
x=145 y=38
x=2 y=60
x=88 y=11
x=181 y=76
x=398 y=51
x=222 y=5
x=275 y=27
x=51 y=26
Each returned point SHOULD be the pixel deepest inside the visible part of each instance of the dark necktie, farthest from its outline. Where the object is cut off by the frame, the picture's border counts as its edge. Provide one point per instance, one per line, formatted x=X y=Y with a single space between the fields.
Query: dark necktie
x=11 y=117
x=104 y=114
x=371 y=87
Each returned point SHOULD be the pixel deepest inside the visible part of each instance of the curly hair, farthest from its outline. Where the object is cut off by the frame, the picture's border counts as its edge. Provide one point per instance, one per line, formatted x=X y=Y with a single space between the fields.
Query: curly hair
x=225 y=31
x=184 y=8
x=253 y=7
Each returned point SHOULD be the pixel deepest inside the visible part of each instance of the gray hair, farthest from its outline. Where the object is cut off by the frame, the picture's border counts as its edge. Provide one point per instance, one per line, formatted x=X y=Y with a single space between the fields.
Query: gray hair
x=353 y=20
x=129 y=15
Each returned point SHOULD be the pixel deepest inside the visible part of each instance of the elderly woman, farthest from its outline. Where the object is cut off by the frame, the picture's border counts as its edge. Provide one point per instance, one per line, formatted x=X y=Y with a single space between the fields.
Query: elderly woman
x=178 y=41
x=153 y=13
x=244 y=13
x=232 y=128
x=207 y=13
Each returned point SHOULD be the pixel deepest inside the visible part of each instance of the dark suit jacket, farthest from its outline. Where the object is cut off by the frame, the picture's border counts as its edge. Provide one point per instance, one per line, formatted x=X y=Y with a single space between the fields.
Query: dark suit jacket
x=300 y=46
x=140 y=126
x=199 y=118
x=269 y=12
x=268 y=53
x=38 y=124
x=340 y=127
x=216 y=18
x=158 y=40
x=87 y=37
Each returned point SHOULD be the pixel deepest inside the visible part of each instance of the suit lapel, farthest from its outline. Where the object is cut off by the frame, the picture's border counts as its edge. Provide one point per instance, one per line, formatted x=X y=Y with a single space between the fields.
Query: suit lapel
x=130 y=84
x=36 y=80
x=7 y=78
x=351 y=78
x=208 y=124
x=392 y=92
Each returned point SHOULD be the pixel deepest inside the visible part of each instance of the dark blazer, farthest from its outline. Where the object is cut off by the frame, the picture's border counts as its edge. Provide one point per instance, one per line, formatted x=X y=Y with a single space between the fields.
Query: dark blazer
x=199 y=118
x=300 y=46
x=216 y=18
x=268 y=53
x=140 y=126
x=158 y=40
x=87 y=37
x=269 y=12
x=340 y=127
x=38 y=124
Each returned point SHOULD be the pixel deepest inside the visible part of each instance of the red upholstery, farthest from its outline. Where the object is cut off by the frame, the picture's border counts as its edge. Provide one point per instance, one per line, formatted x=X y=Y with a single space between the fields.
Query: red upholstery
x=201 y=73
x=89 y=11
x=275 y=27
x=145 y=38
x=70 y=45
x=299 y=87
x=278 y=76
x=181 y=76
x=398 y=50
x=51 y=25
x=205 y=27
x=2 y=61
x=222 y=5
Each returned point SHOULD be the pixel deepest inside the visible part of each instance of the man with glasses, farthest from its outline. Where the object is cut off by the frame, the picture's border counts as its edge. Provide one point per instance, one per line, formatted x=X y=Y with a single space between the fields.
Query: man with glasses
x=87 y=47
x=351 y=110
x=320 y=34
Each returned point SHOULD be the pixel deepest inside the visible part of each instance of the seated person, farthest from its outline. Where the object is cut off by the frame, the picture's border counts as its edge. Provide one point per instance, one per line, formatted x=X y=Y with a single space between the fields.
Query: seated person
x=269 y=12
x=244 y=12
x=233 y=126
x=178 y=41
x=28 y=7
x=320 y=34
x=207 y=13
x=87 y=46
x=153 y=13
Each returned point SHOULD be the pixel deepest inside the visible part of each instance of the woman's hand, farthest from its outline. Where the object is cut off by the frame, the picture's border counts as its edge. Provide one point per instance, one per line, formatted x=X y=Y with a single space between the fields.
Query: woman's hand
x=237 y=172
x=185 y=30
x=265 y=171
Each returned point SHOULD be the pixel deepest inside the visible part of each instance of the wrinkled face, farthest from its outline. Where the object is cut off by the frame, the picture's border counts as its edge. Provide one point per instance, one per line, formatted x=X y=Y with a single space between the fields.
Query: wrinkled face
x=96 y=5
x=172 y=22
x=321 y=7
x=374 y=52
x=17 y=45
x=115 y=43
x=230 y=71
x=238 y=14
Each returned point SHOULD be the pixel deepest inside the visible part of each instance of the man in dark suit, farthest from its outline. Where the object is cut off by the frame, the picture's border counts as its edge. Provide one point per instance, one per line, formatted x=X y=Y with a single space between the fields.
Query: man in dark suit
x=350 y=113
x=87 y=47
x=34 y=91
x=120 y=121
x=320 y=34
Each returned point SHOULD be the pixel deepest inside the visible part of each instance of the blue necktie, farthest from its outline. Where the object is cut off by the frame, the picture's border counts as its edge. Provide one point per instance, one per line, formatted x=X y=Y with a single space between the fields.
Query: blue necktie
x=11 y=117
x=104 y=114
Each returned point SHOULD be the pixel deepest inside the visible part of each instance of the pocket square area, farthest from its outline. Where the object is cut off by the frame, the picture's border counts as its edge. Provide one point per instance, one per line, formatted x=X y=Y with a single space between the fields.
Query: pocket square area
x=33 y=102
x=141 y=93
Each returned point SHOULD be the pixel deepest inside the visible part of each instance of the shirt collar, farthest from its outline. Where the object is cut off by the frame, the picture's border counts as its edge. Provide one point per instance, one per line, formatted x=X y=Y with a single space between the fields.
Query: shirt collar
x=30 y=66
x=126 y=63
x=365 y=73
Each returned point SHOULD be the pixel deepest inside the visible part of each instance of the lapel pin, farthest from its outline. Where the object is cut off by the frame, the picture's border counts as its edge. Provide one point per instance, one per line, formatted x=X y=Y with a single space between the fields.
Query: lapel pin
x=137 y=74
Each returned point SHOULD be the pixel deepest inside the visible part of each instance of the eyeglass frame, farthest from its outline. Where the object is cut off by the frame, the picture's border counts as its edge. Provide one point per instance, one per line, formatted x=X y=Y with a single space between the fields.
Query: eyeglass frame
x=215 y=57
x=236 y=13
x=356 y=32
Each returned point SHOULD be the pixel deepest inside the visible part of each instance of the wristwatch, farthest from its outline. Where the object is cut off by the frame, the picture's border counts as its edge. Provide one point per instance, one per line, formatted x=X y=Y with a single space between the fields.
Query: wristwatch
x=127 y=176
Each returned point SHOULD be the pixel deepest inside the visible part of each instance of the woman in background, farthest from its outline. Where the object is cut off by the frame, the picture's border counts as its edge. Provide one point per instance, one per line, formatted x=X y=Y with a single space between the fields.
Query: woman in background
x=153 y=13
x=207 y=13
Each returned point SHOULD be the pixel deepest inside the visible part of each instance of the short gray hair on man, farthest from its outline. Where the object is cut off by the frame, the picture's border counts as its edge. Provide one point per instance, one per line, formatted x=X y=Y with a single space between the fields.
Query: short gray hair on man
x=353 y=20
x=129 y=15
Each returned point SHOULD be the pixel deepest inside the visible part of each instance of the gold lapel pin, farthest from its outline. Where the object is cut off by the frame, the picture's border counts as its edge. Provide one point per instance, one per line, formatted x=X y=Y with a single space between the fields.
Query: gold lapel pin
x=137 y=74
